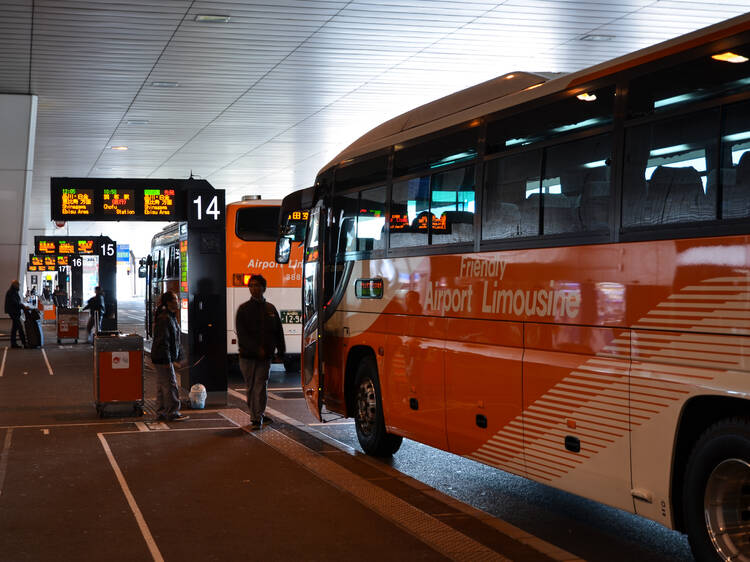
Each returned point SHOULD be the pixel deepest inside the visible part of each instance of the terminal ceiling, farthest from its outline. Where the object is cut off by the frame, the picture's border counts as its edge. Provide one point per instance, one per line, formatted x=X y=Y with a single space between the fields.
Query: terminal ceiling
x=258 y=104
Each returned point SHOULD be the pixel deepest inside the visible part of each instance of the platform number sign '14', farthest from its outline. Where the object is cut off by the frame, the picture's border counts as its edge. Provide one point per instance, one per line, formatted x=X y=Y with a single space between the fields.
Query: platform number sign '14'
x=207 y=207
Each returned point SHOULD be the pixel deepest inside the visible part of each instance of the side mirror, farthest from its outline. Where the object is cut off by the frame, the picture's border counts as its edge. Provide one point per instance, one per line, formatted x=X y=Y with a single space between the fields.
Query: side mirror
x=283 y=249
x=141 y=271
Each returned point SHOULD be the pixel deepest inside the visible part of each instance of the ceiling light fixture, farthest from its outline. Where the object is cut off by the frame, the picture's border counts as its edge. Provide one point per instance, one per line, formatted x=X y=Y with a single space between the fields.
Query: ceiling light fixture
x=586 y=97
x=165 y=84
x=729 y=57
x=118 y=147
x=206 y=18
x=137 y=121
x=597 y=37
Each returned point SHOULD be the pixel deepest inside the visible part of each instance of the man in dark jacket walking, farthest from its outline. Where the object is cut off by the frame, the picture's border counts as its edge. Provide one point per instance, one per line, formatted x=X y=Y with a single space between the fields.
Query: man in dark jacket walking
x=259 y=333
x=95 y=306
x=13 y=308
x=166 y=353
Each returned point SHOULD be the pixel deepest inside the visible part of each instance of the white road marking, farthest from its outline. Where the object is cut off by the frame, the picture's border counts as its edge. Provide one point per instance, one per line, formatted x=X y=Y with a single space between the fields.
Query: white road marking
x=150 y=542
x=49 y=367
x=2 y=367
x=4 y=458
x=141 y=426
x=45 y=432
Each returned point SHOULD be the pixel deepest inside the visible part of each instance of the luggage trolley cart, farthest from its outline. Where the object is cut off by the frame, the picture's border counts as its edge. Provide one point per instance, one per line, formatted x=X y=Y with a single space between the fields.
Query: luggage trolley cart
x=68 y=324
x=118 y=372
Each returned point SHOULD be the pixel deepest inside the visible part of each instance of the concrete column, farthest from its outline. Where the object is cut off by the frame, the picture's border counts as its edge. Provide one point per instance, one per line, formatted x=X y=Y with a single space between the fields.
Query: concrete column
x=17 y=135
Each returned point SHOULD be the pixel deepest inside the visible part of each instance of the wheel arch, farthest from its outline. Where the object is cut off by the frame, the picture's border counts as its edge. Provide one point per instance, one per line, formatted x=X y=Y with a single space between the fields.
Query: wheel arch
x=698 y=414
x=353 y=359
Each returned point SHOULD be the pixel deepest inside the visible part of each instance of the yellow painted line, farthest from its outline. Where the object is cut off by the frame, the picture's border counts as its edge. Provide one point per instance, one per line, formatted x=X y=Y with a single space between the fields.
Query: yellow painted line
x=49 y=367
x=2 y=367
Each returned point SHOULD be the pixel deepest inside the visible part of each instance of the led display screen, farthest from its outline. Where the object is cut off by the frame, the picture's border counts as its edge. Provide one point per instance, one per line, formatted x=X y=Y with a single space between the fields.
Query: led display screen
x=77 y=202
x=159 y=203
x=118 y=202
x=66 y=247
x=43 y=246
x=369 y=288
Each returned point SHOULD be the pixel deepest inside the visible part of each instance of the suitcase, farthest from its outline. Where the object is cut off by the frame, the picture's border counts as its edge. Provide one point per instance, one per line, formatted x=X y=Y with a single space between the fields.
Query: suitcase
x=33 y=328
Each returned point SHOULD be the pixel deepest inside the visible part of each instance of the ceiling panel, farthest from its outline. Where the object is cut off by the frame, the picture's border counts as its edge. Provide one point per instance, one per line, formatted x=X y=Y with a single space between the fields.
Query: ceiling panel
x=259 y=104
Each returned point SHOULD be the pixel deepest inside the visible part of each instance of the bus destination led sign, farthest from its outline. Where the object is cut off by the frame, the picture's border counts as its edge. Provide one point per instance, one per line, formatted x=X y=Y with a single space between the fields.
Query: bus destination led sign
x=369 y=288
x=118 y=202
x=158 y=203
x=77 y=202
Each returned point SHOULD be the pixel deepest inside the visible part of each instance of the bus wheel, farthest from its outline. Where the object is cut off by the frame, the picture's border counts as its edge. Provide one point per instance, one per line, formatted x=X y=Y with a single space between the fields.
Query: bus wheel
x=368 y=420
x=716 y=494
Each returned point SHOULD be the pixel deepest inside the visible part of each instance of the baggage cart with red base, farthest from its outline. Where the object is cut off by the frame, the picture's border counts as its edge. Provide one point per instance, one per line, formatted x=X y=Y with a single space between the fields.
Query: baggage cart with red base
x=118 y=373
x=68 y=324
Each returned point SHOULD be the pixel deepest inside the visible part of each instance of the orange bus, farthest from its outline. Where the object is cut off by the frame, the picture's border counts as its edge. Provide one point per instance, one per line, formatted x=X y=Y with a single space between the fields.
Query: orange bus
x=251 y=233
x=552 y=277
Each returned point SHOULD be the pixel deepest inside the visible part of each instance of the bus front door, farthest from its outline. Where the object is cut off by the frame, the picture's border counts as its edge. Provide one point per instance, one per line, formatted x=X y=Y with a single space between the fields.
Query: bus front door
x=312 y=333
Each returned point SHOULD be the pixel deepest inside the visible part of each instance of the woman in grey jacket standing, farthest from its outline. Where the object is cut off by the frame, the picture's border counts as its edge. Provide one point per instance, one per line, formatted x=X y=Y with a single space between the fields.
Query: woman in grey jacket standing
x=166 y=354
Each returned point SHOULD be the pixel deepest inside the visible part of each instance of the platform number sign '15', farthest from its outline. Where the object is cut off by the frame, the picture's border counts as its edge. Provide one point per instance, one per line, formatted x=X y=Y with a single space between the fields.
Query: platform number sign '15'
x=207 y=206
x=108 y=249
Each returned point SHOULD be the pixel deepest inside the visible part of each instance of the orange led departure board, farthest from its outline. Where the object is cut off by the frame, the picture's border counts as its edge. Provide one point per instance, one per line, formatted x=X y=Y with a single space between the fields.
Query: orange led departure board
x=37 y=260
x=65 y=247
x=46 y=247
x=77 y=202
x=50 y=261
x=63 y=260
x=159 y=203
x=119 y=202
x=85 y=246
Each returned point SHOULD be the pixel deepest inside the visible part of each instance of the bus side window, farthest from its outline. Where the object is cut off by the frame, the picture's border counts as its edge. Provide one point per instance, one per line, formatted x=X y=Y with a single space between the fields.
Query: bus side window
x=580 y=201
x=371 y=220
x=409 y=199
x=675 y=170
x=735 y=168
x=452 y=203
x=510 y=180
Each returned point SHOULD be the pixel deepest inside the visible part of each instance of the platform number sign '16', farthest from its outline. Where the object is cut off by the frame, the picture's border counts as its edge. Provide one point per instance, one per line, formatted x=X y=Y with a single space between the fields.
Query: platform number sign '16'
x=207 y=207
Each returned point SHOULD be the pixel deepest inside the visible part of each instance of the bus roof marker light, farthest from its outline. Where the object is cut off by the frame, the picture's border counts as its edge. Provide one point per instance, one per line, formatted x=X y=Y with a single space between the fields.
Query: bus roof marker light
x=729 y=57
x=586 y=97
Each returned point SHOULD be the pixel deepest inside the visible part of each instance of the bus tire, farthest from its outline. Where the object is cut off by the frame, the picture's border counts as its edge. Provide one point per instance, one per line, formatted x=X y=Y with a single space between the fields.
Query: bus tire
x=368 y=416
x=716 y=492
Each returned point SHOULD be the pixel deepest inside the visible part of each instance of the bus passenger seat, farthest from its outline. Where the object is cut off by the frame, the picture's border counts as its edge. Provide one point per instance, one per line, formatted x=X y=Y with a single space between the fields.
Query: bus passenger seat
x=460 y=228
x=503 y=220
x=686 y=201
x=737 y=194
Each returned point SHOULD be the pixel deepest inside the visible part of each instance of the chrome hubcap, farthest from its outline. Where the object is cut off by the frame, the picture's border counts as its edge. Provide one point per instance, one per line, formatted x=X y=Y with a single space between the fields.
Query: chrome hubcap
x=727 y=509
x=366 y=406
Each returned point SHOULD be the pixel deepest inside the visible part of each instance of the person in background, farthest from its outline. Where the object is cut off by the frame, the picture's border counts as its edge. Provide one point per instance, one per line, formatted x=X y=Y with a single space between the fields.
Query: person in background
x=166 y=354
x=13 y=308
x=259 y=333
x=60 y=297
x=95 y=306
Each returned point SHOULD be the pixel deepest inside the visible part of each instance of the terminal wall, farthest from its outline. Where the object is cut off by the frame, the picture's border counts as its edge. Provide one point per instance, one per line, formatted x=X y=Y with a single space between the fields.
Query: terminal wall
x=17 y=135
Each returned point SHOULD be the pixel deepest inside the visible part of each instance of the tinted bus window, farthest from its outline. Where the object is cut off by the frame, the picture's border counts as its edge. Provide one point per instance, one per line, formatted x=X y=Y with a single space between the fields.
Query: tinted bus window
x=410 y=200
x=371 y=220
x=576 y=186
x=452 y=205
x=257 y=224
x=734 y=175
x=667 y=165
x=702 y=78
x=362 y=173
x=508 y=213
x=437 y=152
x=577 y=113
